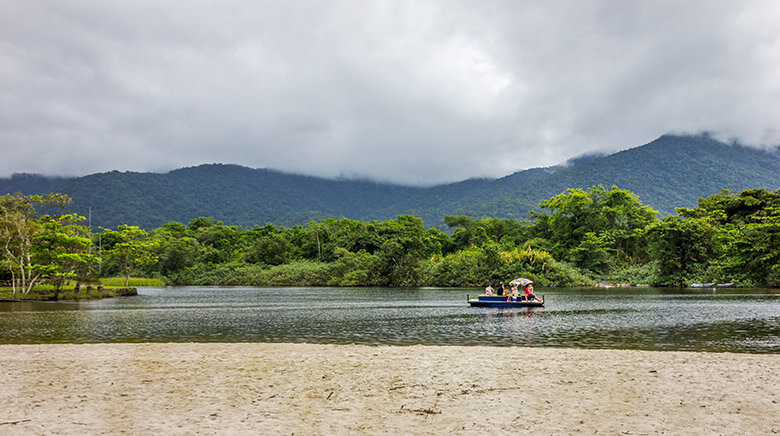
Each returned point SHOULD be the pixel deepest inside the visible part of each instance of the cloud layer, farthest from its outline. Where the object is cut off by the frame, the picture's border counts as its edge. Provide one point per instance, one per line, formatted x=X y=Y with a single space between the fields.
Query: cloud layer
x=415 y=92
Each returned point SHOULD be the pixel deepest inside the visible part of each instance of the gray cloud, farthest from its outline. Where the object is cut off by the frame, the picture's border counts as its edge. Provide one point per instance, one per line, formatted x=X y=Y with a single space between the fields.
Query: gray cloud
x=410 y=92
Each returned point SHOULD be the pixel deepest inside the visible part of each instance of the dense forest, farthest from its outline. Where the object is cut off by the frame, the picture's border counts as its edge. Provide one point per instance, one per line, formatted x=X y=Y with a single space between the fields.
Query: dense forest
x=670 y=172
x=577 y=238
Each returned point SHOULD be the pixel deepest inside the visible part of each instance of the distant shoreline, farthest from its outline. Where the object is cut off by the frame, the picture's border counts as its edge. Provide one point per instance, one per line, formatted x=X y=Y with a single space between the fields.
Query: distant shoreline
x=224 y=388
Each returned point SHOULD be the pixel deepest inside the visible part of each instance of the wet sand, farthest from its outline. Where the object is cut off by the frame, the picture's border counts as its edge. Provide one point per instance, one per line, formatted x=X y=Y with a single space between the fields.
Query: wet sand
x=307 y=389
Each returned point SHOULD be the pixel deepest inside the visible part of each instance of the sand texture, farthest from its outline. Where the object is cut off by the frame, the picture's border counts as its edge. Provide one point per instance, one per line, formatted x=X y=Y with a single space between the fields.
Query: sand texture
x=304 y=389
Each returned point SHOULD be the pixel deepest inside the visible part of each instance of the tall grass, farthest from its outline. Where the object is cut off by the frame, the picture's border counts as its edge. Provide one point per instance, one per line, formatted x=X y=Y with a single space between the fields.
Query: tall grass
x=134 y=282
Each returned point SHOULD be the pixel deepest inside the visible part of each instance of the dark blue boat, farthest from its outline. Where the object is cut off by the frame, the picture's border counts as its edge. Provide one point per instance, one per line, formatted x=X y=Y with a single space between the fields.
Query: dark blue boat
x=501 y=301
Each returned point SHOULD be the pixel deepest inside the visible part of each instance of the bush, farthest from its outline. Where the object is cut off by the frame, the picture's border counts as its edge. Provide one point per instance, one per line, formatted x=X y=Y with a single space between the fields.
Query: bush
x=472 y=267
x=635 y=274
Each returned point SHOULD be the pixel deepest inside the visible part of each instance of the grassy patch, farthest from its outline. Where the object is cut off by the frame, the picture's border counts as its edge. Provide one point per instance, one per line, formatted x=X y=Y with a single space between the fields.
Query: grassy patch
x=119 y=282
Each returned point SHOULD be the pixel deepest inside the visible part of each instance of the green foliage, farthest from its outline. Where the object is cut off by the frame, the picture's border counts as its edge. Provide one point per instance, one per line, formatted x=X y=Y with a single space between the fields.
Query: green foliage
x=748 y=234
x=480 y=266
x=582 y=237
x=292 y=274
x=470 y=231
x=352 y=269
x=596 y=229
x=119 y=282
x=272 y=249
x=61 y=249
x=647 y=273
x=586 y=236
x=18 y=228
x=683 y=248
x=52 y=248
x=132 y=246
x=670 y=172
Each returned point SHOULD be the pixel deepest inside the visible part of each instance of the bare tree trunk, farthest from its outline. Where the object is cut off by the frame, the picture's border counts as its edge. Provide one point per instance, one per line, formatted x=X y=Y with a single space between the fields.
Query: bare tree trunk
x=22 y=278
x=13 y=280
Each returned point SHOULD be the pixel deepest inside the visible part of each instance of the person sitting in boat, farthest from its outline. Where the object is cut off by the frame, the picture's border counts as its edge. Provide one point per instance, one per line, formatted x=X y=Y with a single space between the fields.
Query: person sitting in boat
x=489 y=290
x=529 y=293
x=500 y=288
x=512 y=296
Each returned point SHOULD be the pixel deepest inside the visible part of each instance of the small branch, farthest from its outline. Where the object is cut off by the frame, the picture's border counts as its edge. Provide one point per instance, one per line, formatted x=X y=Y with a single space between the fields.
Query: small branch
x=404 y=386
x=15 y=422
x=425 y=412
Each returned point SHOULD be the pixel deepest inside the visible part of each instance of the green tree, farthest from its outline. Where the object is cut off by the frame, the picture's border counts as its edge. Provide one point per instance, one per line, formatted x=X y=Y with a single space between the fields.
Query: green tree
x=133 y=248
x=270 y=249
x=57 y=200
x=219 y=243
x=176 y=250
x=351 y=269
x=747 y=233
x=202 y=222
x=596 y=229
x=61 y=249
x=683 y=247
x=470 y=231
x=403 y=248
x=18 y=227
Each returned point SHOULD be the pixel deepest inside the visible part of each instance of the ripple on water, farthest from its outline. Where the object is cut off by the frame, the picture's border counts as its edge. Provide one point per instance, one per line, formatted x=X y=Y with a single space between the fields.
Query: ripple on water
x=744 y=321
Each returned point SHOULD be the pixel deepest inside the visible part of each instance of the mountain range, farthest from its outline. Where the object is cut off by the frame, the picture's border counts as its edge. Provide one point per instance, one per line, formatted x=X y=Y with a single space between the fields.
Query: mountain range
x=672 y=171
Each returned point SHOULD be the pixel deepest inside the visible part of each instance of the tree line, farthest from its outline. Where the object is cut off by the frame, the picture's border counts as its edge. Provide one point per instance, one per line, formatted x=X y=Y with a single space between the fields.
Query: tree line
x=577 y=238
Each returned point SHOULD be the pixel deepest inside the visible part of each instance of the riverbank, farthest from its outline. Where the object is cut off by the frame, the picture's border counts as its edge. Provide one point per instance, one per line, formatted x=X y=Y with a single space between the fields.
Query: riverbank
x=6 y=296
x=348 y=389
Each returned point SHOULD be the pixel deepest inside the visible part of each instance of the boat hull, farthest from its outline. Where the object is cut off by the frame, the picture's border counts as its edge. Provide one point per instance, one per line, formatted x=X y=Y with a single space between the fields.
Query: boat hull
x=500 y=301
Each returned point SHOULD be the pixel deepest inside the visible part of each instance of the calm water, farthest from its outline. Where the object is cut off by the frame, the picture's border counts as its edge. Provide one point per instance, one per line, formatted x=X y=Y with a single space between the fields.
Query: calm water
x=652 y=319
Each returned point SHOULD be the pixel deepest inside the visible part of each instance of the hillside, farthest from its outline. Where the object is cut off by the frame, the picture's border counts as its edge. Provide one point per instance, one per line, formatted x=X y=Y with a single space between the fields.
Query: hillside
x=230 y=193
x=672 y=171
x=30 y=184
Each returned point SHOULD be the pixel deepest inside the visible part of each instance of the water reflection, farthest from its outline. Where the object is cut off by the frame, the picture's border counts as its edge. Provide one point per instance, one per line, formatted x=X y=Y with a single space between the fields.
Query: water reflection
x=511 y=324
x=654 y=319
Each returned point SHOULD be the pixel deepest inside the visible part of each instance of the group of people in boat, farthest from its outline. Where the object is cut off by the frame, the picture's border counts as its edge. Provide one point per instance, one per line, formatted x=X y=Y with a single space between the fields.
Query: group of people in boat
x=512 y=293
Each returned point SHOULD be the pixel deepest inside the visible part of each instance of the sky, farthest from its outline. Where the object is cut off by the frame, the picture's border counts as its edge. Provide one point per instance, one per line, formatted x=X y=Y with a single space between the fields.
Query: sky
x=413 y=92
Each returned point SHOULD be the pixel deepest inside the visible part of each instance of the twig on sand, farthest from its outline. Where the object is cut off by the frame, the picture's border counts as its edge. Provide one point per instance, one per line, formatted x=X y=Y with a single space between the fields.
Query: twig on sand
x=15 y=422
x=426 y=412
x=405 y=386
x=482 y=391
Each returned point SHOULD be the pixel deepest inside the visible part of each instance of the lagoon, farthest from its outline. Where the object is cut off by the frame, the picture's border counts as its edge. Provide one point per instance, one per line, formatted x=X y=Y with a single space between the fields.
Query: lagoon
x=720 y=320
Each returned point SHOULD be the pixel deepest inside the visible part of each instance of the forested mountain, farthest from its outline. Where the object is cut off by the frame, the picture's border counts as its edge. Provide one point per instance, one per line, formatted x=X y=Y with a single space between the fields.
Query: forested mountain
x=30 y=184
x=672 y=171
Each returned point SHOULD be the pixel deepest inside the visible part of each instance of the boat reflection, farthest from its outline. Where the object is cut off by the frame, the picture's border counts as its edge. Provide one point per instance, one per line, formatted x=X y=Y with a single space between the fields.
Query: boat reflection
x=517 y=324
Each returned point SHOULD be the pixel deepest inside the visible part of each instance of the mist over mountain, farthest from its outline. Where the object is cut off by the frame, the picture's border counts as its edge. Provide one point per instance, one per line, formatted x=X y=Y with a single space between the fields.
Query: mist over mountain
x=672 y=171
x=30 y=184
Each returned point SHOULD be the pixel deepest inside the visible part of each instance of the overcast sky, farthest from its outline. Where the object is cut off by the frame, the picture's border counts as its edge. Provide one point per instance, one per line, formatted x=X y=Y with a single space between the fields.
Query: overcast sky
x=415 y=92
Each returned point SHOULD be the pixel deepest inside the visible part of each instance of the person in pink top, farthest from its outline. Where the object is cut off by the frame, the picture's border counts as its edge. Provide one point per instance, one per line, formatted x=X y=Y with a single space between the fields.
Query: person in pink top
x=529 y=293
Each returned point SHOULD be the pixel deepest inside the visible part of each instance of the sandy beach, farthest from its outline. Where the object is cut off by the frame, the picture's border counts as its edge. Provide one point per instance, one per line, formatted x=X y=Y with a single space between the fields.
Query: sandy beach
x=306 y=389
